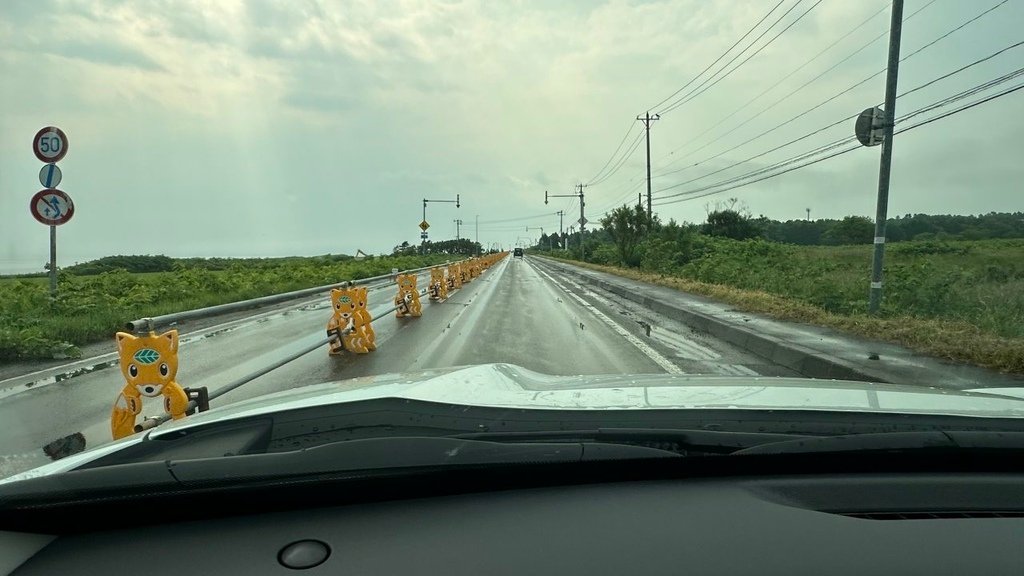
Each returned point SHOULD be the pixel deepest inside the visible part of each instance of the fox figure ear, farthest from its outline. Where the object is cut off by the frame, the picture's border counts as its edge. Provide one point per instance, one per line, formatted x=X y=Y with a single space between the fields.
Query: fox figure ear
x=122 y=338
x=172 y=339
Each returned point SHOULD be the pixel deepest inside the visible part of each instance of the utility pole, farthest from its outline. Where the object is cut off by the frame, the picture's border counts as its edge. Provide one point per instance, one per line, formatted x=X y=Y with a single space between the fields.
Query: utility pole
x=808 y=214
x=583 y=218
x=478 y=234
x=881 y=212
x=647 y=119
x=561 y=232
x=458 y=223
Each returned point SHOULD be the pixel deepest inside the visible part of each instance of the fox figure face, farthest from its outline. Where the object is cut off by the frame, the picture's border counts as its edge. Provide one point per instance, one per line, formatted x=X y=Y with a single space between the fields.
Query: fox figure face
x=148 y=362
x=407 y=282
x=344 y=301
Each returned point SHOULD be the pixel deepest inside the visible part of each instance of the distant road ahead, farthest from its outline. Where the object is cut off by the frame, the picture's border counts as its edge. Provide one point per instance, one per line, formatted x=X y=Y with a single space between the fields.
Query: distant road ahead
x=521 y=311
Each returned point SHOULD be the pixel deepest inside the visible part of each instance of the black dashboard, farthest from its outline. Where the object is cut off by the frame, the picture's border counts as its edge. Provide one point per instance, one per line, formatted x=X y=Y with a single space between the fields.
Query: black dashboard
x=865 y=523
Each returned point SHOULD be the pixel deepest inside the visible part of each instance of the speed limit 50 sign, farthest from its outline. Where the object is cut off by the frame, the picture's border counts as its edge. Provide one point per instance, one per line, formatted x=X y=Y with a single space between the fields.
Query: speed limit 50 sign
x=50 y=144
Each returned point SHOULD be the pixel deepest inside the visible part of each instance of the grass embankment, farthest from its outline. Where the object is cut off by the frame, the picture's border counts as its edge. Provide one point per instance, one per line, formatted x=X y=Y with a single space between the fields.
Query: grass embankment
x=961 y=301
x=93 y=308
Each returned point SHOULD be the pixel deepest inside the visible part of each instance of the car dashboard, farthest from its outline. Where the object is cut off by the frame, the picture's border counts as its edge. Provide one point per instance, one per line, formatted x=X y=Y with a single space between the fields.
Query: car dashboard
x=864 y=523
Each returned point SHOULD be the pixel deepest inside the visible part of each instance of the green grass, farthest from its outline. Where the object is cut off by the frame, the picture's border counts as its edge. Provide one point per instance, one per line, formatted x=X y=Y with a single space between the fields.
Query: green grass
x=960 y=300
x=93 y=308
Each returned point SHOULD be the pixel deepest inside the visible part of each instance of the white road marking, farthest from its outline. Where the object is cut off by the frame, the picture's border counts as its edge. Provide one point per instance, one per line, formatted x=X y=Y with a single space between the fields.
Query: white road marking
x=687 y=348
x=651 y=353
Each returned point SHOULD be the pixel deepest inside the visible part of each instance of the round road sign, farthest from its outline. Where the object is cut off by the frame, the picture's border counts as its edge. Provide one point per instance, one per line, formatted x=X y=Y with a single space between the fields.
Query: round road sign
x=52 y=207
x=868 y=127
x=50 y=175
x=50 y=144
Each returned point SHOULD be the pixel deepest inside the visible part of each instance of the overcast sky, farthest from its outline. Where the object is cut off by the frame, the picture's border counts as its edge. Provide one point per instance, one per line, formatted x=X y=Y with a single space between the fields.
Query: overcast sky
x=296 y=127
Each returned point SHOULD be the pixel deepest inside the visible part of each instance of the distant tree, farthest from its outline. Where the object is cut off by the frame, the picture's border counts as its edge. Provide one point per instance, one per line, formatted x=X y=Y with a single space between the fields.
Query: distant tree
x=404 y=248
x=850 y=230
x=627 y=226
x=730 y=223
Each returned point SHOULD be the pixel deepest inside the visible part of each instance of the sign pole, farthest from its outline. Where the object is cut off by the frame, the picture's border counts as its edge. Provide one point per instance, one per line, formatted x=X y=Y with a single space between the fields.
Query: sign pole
x=53 y=261
x=881 y=211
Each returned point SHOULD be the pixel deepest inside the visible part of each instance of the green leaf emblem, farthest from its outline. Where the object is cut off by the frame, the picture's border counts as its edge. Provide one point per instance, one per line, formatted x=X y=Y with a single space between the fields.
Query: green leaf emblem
x=146 y=356
x=344 y=300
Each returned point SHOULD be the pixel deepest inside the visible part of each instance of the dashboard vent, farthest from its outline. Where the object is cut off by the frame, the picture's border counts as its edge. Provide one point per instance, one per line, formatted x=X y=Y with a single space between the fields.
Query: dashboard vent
x=932 y=515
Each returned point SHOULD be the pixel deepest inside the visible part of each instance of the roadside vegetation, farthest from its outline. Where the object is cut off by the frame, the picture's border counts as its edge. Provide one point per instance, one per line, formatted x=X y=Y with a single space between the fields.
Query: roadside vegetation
x=97 y=298
x=945 y=296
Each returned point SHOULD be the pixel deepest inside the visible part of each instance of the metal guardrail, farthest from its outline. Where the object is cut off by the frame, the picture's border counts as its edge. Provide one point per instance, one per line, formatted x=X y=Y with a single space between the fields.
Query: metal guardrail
x=143 y=324
x=150 y=423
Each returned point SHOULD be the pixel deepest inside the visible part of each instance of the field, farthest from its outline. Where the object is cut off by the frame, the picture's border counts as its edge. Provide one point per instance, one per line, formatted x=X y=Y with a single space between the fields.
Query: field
x=92 y=308
x=959 y=300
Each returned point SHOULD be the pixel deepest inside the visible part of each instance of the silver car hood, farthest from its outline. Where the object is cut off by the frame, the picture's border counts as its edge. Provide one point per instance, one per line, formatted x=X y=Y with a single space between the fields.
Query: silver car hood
x=510 y=386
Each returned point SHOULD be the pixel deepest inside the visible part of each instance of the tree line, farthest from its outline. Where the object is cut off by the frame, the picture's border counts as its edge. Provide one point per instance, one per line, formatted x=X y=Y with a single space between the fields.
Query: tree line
x=162 y=263
x=462 y=246
x=627 y=236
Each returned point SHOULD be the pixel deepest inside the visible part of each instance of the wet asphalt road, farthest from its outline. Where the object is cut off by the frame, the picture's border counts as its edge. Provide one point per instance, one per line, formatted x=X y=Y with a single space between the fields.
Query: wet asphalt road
x=521 y=311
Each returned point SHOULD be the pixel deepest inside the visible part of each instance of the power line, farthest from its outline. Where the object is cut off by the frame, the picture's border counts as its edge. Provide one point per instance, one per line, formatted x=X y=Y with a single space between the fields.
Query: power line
x=978 y=88
x=794 y=162
x=765 y=17
x=965 y=67
x=617 y=148
x=964 y=94
x=962 y=108
x=636 y=142
x=947 y=34
x=625 y=157
x=687 y=98
x=784 y=78
x=709 y=66
x=790 y=94
x=830 y=99
x=605 y=208
x=503 y=220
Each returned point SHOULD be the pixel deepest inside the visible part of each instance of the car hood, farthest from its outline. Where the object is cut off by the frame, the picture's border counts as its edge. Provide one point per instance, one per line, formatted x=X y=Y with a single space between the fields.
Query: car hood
x=510 y=386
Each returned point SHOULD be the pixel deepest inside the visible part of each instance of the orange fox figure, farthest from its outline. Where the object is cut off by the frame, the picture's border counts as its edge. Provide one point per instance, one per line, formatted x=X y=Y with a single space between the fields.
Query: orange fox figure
x=344 y=306
x=149 y=365
x=409 y=296
x=438 y=284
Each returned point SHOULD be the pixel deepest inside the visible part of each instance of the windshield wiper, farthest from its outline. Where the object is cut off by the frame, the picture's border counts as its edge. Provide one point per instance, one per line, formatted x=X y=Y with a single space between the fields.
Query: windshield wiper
x=369 y=456
x=680 y=441
x=953 y=441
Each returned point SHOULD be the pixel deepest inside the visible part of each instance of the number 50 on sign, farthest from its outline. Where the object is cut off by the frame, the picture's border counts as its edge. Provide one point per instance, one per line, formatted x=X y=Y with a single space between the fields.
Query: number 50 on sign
x=50 y=144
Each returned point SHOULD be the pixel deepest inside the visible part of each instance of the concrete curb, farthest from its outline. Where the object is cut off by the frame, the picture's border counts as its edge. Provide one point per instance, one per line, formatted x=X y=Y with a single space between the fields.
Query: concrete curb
x=807 y=361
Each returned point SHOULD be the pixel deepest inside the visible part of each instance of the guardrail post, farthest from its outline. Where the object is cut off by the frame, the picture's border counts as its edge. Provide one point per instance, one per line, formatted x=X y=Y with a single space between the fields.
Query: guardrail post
x=149 y=365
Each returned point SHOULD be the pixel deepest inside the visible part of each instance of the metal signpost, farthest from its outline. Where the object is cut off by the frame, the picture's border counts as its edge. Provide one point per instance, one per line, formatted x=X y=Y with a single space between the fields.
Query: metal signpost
x=424 y=224
x=51 y=206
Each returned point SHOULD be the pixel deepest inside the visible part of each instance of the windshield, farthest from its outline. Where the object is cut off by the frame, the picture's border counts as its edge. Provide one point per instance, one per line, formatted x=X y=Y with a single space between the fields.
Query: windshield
x=583 y=206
